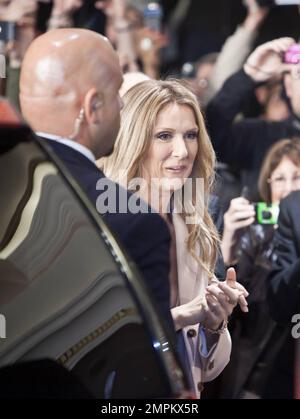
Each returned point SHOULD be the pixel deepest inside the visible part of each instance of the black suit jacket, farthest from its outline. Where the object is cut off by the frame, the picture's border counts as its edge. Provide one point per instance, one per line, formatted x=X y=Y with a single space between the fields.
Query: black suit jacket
x=145 y=236
x=284 y=287
x=284 y=294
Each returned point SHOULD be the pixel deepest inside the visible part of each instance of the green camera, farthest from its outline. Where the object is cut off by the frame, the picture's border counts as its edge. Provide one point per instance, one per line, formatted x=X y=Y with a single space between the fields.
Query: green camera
x=266 y=214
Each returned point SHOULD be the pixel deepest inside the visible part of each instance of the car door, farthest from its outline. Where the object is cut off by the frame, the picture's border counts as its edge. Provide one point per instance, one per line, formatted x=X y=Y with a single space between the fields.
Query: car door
x=67 y=289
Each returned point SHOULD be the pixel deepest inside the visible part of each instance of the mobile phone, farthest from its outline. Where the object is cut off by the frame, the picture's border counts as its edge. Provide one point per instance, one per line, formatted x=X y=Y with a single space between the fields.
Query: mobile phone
x=153 y=16
x=7 y=31
x=266 y=214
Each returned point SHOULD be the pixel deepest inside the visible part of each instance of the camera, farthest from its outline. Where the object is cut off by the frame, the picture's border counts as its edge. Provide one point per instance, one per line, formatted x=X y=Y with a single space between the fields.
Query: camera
x=266 y=214
x=7 y=31
x=292 y=55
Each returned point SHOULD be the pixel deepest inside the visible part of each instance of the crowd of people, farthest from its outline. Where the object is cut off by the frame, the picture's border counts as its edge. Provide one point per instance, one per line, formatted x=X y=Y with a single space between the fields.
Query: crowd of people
x=214 y=230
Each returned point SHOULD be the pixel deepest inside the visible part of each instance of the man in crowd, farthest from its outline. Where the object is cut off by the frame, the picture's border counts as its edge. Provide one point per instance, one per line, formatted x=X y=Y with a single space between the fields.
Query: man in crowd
x=69 y=94
x=284 y=289
x=284 y=296
x=243 y=144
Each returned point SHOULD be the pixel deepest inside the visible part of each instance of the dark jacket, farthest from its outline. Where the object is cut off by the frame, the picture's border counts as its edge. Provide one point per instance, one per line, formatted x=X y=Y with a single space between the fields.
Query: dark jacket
x=284 y=292
x=255 y=259
x=252 y=334
x=217 y=214
x=244 y=144
x=145 y=236
x=284 y=285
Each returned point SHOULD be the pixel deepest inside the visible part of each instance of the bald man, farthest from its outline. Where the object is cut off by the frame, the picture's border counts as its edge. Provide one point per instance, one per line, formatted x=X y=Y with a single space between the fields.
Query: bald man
x=69 y=86
x=69 y=94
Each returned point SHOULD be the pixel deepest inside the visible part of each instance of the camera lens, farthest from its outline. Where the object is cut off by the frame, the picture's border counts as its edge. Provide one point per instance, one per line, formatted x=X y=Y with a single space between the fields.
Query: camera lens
x=267 y=215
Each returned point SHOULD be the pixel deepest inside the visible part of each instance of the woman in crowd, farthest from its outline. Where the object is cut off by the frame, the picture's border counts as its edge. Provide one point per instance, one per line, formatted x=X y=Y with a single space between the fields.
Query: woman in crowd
x=163 y=142
x=248 y=245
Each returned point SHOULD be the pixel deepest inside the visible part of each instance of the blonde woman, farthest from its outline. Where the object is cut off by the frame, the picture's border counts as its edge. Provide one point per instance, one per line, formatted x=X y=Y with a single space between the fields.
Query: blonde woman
x=163 y=141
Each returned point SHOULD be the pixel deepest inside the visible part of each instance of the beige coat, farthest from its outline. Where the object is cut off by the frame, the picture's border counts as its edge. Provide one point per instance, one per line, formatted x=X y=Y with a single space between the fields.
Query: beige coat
x=191 y=283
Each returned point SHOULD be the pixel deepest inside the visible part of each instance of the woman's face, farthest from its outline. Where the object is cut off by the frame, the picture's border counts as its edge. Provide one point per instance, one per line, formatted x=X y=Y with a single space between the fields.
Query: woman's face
x=284 y=180
x=173 y=148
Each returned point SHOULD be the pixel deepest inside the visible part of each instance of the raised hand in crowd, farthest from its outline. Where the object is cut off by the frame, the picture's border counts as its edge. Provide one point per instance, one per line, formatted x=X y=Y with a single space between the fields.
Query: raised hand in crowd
x=265 y=63
x=19 y=11
x=62 y=12
x=23 y=13
x=67 y=6
x=148 y=44
x=119 y=31
x=3 y=5
x=255 y=14
x=240 y=214
x=105 y=6
x=133 y=40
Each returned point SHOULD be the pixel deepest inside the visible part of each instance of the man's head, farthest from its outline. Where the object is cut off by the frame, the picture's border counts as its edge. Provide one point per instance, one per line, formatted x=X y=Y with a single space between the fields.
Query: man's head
x=69 y=87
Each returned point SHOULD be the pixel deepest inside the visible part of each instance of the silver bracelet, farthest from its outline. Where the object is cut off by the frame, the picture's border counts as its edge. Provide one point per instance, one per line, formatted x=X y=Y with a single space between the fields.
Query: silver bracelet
x=219 y=331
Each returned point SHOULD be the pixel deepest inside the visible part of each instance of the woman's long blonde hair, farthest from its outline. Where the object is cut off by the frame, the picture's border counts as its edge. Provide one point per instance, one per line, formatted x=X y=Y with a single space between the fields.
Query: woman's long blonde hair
x=142 y=103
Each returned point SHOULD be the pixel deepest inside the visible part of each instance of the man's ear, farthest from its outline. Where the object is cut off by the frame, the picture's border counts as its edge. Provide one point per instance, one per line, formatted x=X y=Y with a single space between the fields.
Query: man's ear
x=288 y=85
x=92 y=102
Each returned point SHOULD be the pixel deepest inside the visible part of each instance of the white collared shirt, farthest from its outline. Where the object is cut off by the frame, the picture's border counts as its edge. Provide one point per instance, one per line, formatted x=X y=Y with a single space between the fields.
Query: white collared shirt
x=69 y=143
